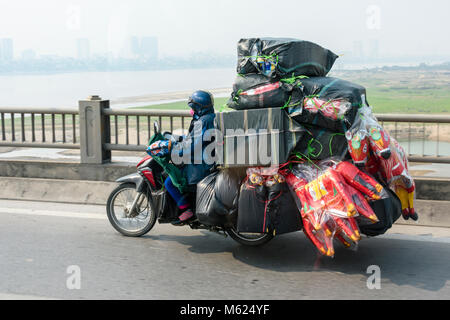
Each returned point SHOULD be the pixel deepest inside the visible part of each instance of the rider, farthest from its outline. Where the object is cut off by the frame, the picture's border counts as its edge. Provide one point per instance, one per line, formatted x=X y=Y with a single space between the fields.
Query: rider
x=202 y=110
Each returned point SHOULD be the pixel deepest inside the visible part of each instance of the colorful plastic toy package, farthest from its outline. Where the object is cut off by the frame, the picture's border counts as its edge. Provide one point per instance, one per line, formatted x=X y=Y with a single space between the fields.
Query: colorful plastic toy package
x=372 y=148
x=333 y=109
x=395 y=171
x=332 y=195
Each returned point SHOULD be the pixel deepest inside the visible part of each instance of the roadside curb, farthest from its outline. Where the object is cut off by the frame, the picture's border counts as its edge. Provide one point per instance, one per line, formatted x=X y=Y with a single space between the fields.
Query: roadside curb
x=56 y=190
x=431 y=212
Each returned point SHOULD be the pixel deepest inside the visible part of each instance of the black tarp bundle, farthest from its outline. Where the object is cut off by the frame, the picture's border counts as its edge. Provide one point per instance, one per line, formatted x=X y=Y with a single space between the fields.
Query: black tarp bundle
x=252 y=215
x=268 y=208
x=253 y=91
x=387 y=210
x=258 y=137
x=321 y=144
x=332 y=91
x=287 y=57
x=217 y=198
x=283 y=213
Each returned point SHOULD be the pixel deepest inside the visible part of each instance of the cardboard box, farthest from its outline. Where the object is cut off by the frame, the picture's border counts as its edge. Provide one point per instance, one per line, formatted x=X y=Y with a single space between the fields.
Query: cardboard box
x=257 y=137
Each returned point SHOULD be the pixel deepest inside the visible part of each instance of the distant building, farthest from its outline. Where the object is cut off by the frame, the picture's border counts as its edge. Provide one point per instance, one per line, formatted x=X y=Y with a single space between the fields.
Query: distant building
x=28 y=54
x=134 y=46
x=131 y=48
x=358 y=51
x=149 y=48
x=140 y=48
x=83 y=49
x=374 y=49
x=6 y=49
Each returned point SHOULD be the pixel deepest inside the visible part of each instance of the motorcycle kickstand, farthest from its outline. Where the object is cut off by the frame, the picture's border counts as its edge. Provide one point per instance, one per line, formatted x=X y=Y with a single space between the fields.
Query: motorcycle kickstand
x=195 y=225
x=219 y=231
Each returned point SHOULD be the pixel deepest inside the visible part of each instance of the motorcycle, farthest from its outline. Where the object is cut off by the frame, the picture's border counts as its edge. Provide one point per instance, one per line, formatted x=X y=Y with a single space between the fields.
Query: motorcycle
x=141 y=200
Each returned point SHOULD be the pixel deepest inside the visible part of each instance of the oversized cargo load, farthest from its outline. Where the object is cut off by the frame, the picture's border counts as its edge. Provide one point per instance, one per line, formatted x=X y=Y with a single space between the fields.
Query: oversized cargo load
x=259 y=137
x=283 y=57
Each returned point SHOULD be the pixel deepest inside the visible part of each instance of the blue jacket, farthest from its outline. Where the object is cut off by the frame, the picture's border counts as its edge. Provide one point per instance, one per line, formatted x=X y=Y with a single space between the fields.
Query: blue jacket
x=192 y=147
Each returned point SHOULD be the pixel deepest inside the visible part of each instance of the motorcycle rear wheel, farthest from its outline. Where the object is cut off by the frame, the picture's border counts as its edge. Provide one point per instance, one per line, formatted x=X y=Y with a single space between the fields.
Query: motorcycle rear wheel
x=134 y=224
x=250 y=240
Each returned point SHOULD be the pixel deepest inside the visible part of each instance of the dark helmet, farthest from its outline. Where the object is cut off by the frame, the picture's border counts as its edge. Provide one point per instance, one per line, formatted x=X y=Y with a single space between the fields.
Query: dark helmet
x=202 y=102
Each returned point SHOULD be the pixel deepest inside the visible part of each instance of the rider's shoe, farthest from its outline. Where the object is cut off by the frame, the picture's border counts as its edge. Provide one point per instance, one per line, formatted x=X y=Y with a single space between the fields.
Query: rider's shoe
x=185 y=217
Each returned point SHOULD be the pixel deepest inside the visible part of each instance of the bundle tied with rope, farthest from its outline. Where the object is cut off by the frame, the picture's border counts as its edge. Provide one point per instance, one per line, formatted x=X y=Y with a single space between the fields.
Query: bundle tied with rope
x=345 y=175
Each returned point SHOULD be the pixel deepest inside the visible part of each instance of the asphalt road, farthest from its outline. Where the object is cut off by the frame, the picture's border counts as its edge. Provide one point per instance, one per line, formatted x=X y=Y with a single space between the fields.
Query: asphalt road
x=40 y=241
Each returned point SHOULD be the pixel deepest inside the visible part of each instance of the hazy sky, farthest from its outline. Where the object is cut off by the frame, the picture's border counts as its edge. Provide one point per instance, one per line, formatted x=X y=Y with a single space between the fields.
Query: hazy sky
x=402 y=27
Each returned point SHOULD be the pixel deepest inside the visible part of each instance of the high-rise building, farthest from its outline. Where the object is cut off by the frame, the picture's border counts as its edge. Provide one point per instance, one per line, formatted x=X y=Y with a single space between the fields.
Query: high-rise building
x=131 y=48
x=374 y=49
x=6 y=49
x=358 y=50
x=149 y=48
x=83 y=49
x=135 y=47
x=140 y=48
x=28 y=54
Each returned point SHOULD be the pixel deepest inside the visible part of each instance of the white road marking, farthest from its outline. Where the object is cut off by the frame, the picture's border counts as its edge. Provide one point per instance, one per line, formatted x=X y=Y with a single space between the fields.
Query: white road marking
x=33 y=212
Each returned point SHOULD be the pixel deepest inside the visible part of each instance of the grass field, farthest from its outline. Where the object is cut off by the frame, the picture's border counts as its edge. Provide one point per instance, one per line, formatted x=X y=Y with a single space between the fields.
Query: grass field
x=404 y=91
x=399 y=91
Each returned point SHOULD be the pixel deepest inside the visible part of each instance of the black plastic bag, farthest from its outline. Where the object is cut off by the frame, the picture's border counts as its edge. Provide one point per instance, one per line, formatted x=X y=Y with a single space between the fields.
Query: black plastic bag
x=387 y=210
x=245 y=82
x=326 y=102
x=321 y=144
x=266 y=204
x=283 y=57
x=255 y=91
x=252 y=215
x=217 y=198
x=226 y=189
x=282 y=210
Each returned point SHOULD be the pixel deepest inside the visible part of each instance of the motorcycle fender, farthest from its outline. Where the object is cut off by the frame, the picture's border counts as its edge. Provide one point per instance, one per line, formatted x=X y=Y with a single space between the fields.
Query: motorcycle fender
x=133 y=178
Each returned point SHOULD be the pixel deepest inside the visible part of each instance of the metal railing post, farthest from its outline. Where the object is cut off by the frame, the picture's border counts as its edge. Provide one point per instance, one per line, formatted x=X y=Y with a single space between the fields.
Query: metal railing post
x=94 y=130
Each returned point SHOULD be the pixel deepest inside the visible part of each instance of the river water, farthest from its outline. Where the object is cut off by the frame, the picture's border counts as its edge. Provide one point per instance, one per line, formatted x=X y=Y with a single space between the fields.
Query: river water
x=429 y=148
x=64 y=90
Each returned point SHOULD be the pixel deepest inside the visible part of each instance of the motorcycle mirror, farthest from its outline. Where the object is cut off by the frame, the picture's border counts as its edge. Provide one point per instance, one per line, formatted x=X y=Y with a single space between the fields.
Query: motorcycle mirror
x=156 y=127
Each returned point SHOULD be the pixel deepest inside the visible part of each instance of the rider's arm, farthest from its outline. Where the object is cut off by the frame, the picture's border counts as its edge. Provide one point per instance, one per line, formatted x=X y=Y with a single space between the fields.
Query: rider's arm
x=192 y=144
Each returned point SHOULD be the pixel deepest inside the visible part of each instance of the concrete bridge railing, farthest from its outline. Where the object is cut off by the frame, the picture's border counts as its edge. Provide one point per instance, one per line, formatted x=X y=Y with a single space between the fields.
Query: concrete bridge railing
x=96 y=129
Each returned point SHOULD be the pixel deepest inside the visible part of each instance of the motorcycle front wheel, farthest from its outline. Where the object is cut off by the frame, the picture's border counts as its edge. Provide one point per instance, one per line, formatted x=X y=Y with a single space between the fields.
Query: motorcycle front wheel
x=128 y=221
x=249 y=239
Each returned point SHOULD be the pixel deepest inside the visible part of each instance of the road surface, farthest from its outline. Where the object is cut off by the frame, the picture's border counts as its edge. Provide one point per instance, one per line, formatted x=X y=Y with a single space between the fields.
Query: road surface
x=42 y=243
